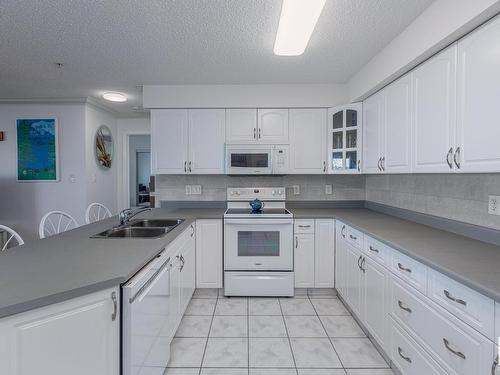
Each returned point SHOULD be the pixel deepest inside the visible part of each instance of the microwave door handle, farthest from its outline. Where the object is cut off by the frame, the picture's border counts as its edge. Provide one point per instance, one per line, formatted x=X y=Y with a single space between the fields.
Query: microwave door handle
x=150 y=283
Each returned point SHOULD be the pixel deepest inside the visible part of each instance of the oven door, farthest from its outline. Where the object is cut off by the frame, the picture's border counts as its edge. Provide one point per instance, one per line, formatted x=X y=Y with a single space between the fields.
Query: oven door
x=258 y=244
x=249 y=160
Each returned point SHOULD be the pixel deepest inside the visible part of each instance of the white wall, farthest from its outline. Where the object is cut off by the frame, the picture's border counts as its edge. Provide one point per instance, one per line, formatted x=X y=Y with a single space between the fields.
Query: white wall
x=136 y=143
x=225 y=96
x=101 y=183
x=442 y=23
x=126 y=127
x=22 y=205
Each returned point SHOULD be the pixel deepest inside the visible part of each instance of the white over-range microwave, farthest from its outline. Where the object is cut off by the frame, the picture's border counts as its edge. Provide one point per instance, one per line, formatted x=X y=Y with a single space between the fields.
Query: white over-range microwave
x=256 y=159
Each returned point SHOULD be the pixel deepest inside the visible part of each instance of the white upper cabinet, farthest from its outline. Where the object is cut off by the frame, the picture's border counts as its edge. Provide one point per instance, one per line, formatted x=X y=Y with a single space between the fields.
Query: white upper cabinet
x=344 y=138
x=187 y=141
x=307 y=141
x=434 y=106
x=206 y=141
x=272 y=125
x=241 y=125
x=397 y=133
x=478 y=98
x=373 y=114
x=169 y=140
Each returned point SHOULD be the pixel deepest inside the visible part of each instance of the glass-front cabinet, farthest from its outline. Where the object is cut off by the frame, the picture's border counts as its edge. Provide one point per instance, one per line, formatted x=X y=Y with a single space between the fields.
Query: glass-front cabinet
x=344 y=138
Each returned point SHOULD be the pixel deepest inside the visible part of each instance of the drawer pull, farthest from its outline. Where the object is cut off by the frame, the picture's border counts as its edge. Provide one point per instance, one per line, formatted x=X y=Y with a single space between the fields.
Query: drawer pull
x=447 y=346
x=400 y=266
x=407 y=309
x=373 y=249
x=494 y=366
x=400 y=352
x=353 y=237
x=304 y=226
x=457 y=300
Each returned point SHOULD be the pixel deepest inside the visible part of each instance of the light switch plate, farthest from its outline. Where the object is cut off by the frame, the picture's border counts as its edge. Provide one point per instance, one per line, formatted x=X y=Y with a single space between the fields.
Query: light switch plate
x=188 y=189
x=296 y=189
x=196 y=189
x=494 y=205
x=328 y=190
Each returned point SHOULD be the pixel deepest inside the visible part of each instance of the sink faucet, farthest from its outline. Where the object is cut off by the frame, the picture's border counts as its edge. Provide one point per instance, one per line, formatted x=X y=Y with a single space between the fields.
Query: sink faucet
x=129 y=213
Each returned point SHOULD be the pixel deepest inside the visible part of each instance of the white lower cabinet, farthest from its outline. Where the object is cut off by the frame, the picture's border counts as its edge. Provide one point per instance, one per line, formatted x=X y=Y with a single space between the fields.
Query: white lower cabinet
x=314 y=253
x=80 y=336
x=209 y=270
x=353 y=278
x=187 y=257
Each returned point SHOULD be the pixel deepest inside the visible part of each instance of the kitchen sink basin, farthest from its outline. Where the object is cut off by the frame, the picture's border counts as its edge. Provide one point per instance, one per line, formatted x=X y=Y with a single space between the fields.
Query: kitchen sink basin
x=132 y=232
x=156 y=223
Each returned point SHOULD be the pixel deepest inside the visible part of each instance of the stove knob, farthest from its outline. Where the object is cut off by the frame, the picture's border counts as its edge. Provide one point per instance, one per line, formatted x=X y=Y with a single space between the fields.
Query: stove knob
x=232 y=192
x=237 y=192
x=280 y=192
x=274 y=192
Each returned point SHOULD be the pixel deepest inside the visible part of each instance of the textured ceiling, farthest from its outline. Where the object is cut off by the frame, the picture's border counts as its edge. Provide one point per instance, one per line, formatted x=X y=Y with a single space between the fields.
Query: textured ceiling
x=120 y=44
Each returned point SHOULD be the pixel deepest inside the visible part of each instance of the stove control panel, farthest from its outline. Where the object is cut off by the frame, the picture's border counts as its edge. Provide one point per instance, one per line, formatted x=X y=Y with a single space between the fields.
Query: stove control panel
x=263 y=193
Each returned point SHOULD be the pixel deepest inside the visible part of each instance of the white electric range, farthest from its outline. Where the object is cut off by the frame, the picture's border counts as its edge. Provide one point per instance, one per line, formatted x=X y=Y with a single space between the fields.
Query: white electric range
x=258 y=245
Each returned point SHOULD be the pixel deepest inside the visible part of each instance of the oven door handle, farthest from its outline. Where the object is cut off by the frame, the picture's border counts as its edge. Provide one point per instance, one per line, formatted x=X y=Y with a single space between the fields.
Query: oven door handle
x=258 y=221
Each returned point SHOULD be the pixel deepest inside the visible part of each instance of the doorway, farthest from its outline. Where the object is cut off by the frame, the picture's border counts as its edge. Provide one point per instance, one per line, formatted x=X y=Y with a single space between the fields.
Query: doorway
x=139 y=170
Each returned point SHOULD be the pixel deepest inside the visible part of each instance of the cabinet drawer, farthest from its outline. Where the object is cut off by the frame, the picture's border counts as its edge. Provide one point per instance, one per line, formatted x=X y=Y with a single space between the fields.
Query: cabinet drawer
x=377 y=250
x=468 y=305
x=304 y=226
x=408 y=356
x=411 y=271
x=458 y=348
x=354 y=237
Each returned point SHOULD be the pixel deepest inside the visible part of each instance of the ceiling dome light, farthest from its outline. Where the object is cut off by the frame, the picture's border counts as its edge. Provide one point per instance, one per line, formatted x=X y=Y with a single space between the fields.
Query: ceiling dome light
x=297 y=22
x=113 y=96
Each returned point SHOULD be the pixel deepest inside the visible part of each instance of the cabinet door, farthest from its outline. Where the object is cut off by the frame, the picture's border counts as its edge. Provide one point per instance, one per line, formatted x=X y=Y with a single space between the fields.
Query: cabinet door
x=434 y=119
x=375 y=299
x=188 y=269
x=272 y=125
x=241 y=125
x=308 y=141
x=324 y=254
x=209 y=253
x=77 y=337
x=397 y=132
x=206 y=141
x=340 y=256
x=353 y=279
x=304 y=260
x=373 y=118
x=176 y=288
x=478 y=132
x=169 y=141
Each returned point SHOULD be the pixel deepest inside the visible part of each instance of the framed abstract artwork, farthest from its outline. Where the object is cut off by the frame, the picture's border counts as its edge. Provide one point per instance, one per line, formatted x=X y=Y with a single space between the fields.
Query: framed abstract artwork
x=37 y=150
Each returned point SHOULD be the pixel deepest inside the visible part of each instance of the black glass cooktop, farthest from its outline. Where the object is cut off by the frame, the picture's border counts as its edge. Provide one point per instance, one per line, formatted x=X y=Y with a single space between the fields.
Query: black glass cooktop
x=265 y=211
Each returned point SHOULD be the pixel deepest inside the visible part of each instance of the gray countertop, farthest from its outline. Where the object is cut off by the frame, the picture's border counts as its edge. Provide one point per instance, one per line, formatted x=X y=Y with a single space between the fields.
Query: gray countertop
x=72 y=264
x=471 y=262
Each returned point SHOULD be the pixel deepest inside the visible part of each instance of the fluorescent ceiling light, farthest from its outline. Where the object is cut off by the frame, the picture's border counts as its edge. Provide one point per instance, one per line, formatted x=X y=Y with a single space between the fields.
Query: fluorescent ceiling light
x=113 y=96
x=297 y=21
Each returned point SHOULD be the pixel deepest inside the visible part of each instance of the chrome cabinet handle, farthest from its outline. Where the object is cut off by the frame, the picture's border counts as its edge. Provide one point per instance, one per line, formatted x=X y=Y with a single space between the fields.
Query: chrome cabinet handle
x=115 y=306
x=447 y=346
x=260 y=133
x=457 y=152
x=494 y=365
x=296 y=242
x=353 y=237
x=378 y=164
x=457 y=300
x=254 y=133
x=182 y=263
x=185 y=167
x=448 y=161
x=373 y=249
x=359 y=264
x=400 y=352
x=190 y=170
x=363 y=261
x=407 y=309
x=400 y=266
x=192 y=230
x=383 y=163
x=342 y=232
x=359 y=165
x=304 y=226
x=324 y=166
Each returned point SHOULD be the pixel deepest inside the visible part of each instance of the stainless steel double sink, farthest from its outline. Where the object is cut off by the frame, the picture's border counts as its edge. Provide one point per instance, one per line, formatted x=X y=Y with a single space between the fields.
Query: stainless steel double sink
x=144 y=228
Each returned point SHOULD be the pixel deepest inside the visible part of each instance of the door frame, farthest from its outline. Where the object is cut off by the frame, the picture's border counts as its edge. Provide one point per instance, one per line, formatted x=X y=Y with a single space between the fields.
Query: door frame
x=125 y=199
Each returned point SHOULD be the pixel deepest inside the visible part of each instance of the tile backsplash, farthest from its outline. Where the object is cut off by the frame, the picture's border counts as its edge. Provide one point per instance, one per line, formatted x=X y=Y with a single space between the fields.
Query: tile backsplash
x=312 y=187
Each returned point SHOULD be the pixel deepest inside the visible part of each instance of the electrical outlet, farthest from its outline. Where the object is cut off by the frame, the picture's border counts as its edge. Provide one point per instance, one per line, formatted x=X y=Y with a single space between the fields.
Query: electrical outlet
x=494 y=205
x=188 y=189
x=196 y=189
x=328 y=190
x=296 y=189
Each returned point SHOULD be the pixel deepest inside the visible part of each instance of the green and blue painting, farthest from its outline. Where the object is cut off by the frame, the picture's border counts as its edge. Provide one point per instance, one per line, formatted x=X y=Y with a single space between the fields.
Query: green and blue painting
x=36 y=150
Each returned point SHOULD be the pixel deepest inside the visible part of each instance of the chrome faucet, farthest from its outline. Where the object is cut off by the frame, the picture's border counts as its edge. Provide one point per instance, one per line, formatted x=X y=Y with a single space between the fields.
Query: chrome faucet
x=129 y=213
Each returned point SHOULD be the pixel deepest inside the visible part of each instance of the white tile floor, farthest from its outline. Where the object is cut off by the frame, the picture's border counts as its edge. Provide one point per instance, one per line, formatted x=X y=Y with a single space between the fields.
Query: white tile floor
x=271 y=336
